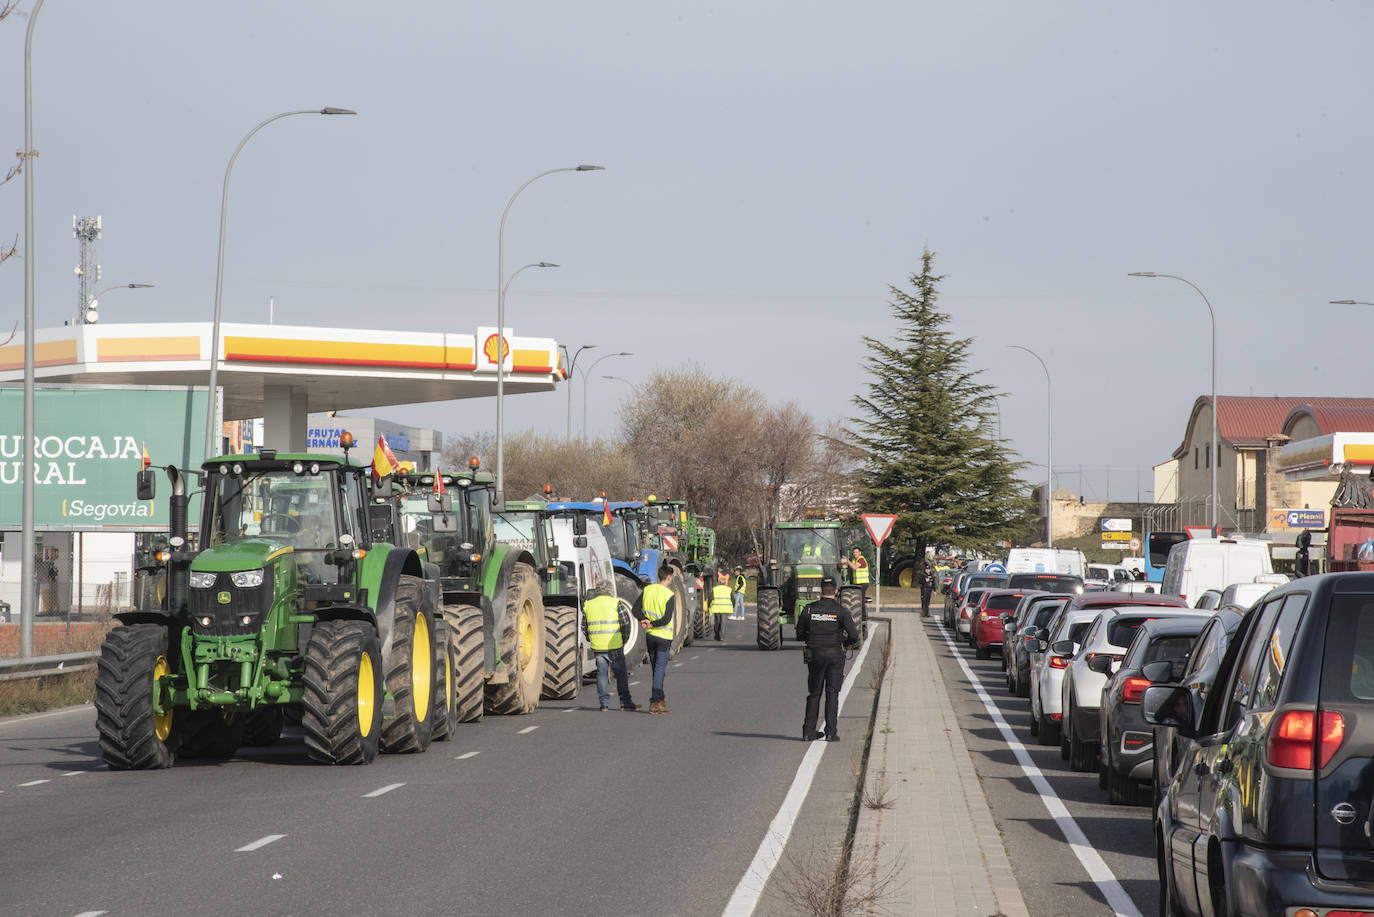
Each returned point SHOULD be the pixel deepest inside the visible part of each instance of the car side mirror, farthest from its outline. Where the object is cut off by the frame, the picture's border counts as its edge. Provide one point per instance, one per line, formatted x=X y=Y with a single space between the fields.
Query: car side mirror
x=1101 y=664
x=579 y=541
x=1029 y=631
x=147 y=484
x=440 y=503
x=1166 y=705
x=1062 y=648
x=1159 y=672
x=383 y=487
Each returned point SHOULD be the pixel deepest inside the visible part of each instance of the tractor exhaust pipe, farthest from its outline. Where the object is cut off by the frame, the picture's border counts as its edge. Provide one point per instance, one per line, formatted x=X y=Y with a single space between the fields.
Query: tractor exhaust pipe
x=179 y=566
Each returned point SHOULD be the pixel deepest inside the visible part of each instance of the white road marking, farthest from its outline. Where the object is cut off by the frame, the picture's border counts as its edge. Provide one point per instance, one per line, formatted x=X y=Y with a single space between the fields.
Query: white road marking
x=382 y=791
x=30 y=717
x=694 y=657
x=91 y=913
x=750 y=888
x=1097 y=868
x=260 y=842
x=467 y=754
x=572 y=709
x=527 y=730
x=35 y=782
x=73 y=773
x=633 y=683
x=677 y=665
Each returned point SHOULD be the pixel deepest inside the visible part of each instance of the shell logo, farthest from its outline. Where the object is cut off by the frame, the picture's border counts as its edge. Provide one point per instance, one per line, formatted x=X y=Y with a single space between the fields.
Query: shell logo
x=489 y=347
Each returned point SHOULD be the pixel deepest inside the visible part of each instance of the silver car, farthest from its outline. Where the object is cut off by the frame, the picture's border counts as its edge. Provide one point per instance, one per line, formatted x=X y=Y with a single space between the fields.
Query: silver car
x=1047 y=669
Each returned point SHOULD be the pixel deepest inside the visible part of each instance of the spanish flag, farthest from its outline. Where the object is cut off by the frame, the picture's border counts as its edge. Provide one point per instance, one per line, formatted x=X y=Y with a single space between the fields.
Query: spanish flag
x=147 y=462
x=439 y=488
x=383 y=460
x=605 y=512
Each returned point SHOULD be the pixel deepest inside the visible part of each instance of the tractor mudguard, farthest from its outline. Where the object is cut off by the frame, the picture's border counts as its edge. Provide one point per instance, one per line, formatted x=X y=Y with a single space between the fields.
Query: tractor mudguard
x=495 y=576
x=147 y=616
x=381 y=571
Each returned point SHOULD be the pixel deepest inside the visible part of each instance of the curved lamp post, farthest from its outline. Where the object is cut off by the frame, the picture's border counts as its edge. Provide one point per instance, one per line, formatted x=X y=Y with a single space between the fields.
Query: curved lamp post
x=212 y=441
x=586 y=383
x=1215 y=447
x=572 y=365
x=89 y=315
x=1049 y=446
x=501 y=325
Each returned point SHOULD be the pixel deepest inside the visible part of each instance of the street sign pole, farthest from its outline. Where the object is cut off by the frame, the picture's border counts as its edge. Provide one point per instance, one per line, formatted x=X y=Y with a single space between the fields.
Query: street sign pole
x=878 y=525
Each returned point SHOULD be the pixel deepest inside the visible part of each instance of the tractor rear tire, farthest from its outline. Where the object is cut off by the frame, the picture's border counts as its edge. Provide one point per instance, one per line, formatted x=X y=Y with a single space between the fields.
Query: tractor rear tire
x=852 y=600
x=445 y=690
x=342 y=703
x=627 y=592
x=264 y=725
x=562 y=677
x=769 y=605
x=466 y=645
x=522 y=647
x=212 y=734
x=410 y=671
x=701 y=620
x=681 y=616
x=132 y=735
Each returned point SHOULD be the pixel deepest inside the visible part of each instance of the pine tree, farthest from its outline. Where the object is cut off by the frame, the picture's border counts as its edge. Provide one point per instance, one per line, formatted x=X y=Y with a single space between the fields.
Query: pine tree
x=924 y=428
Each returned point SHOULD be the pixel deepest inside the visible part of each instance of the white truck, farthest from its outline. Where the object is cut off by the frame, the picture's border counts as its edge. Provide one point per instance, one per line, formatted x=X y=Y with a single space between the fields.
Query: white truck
x=1199 y=564
x=1063 y=561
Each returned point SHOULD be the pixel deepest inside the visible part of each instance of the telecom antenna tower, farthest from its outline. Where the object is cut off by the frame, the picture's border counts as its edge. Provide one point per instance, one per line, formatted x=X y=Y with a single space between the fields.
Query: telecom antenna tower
x=87 y=230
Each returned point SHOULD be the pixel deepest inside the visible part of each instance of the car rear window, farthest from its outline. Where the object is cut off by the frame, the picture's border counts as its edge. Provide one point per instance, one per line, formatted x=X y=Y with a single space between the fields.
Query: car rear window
x=1348 y=663
x=1047 y=582
x=985 y=580
x=1004 y=602
x=1044 y=612
x=1076 y=631
x=1122 y=629
x=1174 y=648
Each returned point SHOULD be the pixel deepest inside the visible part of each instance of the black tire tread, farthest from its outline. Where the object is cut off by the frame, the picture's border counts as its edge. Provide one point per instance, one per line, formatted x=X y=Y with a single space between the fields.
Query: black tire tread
x=509 y=699
x=561 y=681
x=445 y=689
x=411 y=729
x=769 y=607
x=467 y=643
x=329 y=715
x=124 y=699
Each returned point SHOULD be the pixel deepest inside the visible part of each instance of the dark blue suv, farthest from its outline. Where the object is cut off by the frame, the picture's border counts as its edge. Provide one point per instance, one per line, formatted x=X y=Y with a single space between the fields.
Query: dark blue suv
x=1271 y=805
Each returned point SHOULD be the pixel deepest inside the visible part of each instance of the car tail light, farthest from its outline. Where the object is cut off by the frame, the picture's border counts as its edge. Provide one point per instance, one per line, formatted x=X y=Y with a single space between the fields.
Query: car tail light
x=963 y=612
x=1059 y=662
x=1133 y=690
x=1294 y=737
x=1056 y=716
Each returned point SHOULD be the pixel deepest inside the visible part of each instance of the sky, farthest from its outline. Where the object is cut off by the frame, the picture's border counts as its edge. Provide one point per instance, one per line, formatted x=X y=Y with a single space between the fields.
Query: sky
x=771 y=169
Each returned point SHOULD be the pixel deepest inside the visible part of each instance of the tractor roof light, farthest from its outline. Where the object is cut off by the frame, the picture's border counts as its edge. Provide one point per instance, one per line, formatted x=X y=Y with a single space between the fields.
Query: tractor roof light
x=314 y=467
x=298 y=467
x=346 y=440
x=474 y=463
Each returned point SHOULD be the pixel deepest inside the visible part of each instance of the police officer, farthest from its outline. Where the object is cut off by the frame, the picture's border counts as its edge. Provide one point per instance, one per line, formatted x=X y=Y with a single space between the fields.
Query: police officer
x=721 y=605
x=607 y=628
x=827 y=629
x=927 y=588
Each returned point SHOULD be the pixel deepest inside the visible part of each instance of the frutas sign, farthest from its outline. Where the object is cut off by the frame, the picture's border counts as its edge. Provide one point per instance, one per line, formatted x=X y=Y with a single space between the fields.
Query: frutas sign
x=88 y=443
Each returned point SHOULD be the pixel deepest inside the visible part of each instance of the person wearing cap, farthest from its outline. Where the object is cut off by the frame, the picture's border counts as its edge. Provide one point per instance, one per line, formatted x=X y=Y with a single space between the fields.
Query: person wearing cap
x=739 y=585
x=720 y=607
x=927 y=588
x=827 y=629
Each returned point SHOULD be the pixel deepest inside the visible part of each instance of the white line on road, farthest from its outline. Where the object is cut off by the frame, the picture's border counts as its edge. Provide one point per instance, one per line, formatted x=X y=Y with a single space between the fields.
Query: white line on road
x=677 y=665
x=572 y=709
x=73 y=773
x=633 y=683
x=382 y=791
x=1087 y=854
x=91 y=913
x=260 y=842
x=467 y=754
x=34 y=782
x=526 y=730
x=750 y=888
x=693 y=657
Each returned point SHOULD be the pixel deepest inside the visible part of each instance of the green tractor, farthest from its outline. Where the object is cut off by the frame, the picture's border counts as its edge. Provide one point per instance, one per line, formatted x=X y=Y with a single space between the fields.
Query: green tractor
x=800 y=554
x=288 y=605
x=674 y=530
x=489 y=591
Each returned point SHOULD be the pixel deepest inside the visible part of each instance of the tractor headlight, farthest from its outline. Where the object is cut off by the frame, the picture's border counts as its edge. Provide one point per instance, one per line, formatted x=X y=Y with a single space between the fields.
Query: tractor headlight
x=201 y=580
x=247 y=579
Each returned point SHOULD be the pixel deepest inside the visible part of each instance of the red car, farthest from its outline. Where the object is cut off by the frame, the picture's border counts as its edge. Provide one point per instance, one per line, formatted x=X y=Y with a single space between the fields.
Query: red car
x=985 y=627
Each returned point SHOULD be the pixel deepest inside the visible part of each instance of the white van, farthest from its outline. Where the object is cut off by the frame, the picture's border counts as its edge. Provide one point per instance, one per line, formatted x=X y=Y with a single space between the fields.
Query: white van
x=1199 y=564
x=1046 y=560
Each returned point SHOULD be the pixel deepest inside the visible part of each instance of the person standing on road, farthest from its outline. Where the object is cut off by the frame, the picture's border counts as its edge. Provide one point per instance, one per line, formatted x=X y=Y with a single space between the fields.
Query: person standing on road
x=720 y=603
x=655 y=608
x=739 y=586
x=607 y=628
x=827 y=629
x=927 y=588
x=858 y=570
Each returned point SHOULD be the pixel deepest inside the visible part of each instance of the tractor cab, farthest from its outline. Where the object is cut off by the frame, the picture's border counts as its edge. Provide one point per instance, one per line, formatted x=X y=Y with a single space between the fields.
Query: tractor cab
x=803 y=553
x=446 y=517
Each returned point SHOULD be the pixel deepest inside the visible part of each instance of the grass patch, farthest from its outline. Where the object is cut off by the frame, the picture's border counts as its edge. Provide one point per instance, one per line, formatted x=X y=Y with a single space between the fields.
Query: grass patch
x=33 y=695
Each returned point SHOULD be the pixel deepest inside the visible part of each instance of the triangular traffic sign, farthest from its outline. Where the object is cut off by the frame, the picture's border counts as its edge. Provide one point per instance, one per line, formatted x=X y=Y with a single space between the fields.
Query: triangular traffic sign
x=878 y=525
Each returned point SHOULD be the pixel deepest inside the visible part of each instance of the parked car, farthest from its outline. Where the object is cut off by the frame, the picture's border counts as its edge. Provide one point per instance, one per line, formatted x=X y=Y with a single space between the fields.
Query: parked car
x=963 y=613
x=1268 y=808
x=1103 y=645
x=1126 y=740
x=1209 y=600
x=985 y=626
x=1199 y=564
x=1247 y=594
x=1047 y=668
x=1137 y=587
x=1034 y=613
x=974 y=581
x=1045 y=582
x=1046 y=560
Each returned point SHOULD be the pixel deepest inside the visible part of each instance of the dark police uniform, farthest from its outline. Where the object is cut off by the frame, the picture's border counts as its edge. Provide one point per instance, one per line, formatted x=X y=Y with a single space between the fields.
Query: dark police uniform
x=826 y=628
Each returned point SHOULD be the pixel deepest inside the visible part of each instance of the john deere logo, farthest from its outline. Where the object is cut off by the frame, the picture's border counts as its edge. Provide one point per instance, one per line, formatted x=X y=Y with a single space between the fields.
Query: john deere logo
x=224 y=598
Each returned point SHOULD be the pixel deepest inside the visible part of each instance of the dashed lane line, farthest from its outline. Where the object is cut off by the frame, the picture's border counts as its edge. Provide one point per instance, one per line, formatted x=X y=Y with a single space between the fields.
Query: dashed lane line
x=91 y=913
x=633 y=683
x=382 y=791
x=73 y=773
x=527 y=730
x=467 y=754
x=572 y=709
x=35 y=782
x=693 y=657
x=677 y=665
x=259 y=843
x=1092 y=862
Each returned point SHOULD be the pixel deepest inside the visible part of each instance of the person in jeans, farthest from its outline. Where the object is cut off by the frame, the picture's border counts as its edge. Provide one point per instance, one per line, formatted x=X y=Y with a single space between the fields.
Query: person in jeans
x=607 y=628
x=739 y=585
x=720 y=606
x=655 y=608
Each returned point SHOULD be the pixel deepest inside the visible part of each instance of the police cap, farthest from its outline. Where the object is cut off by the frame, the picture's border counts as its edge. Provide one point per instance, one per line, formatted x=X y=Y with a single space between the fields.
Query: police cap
x=827 y=582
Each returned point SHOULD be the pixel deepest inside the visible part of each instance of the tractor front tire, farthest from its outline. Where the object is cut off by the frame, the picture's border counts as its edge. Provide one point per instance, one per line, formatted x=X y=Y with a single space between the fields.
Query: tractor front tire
x=445 y=689
x=410 y=672
x=133 y=736
x=852 y=600
x=341 y=711
x=769 y=606
x=522 y=647
x=466 y=644
x=562 y=679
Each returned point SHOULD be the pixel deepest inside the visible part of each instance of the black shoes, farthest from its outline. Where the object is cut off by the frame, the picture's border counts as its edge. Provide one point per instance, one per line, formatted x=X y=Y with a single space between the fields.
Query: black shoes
x=627 y=707
x=834 y=738
x=811 y=735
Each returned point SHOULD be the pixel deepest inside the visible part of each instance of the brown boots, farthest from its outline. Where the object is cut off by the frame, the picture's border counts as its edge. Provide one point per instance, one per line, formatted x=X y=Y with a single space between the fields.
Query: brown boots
x=658 y=706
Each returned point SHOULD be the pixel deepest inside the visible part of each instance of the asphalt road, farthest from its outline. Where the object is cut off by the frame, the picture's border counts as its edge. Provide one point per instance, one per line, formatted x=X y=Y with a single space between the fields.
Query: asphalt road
x=568 y=810
x=1053 y=879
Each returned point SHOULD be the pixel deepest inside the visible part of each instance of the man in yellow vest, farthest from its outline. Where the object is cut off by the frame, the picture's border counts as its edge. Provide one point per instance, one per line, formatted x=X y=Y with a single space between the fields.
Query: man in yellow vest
x=607 y=629
x=739 y=585
x=655 y=608
x=721 y=605
x=858 y=570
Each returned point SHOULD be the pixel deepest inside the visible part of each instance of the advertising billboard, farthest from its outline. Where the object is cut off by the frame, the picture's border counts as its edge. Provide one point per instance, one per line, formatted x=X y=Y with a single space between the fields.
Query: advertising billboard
x=88 y=444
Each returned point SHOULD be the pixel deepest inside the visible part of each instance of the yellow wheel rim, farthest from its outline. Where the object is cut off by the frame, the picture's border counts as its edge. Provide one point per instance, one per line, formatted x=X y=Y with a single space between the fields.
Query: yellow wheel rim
x=905 y=578
x=524 y=649
x=162 y=722
x=448 y=682
x=367 y=695
x=421 y=667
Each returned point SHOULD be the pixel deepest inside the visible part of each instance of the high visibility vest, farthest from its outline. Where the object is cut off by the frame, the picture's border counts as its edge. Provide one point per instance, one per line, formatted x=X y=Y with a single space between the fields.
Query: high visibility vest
x=861 y=571
x=740 y=582
x=654 y=603
x=721 y=601
x=603 y=623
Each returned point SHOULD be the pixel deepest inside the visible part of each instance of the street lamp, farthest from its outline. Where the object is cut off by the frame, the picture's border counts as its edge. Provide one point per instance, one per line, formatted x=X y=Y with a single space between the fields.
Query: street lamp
x=1349 y=302
x=501 y=324
x=89 y=315
x=1215 y=446
x=212 y=441
x=586 y=380
x=618 y=379
x=572 y=365
x=1049 y=446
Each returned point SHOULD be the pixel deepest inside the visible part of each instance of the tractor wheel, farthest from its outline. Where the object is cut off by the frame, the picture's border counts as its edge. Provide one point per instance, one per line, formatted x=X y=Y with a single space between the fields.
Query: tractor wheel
x=445 y=691
x=264 y=725
x=522 y=646
x=133 y=735
x=627 y=592
x=681 y=615
x=852 y=600
x=905 y=576
x=341 y=708
x=410 y=671
x=768 y=605
x=466 y=644
x=212 y=734
x=701 y=621
x=561 y=676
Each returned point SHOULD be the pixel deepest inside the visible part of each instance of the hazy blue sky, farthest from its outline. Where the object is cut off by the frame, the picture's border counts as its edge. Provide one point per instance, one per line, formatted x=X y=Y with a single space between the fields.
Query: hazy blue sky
x=771 y=168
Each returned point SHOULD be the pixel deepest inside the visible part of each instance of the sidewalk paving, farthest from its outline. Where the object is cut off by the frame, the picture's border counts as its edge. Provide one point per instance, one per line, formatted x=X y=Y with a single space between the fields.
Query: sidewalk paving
x=935 y=847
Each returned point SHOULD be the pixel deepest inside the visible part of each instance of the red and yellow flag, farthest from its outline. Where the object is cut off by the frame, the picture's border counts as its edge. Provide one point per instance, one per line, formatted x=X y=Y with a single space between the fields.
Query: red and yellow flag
x=605 y=513
x=439 y=488
x=147 y=462
x=383 y=460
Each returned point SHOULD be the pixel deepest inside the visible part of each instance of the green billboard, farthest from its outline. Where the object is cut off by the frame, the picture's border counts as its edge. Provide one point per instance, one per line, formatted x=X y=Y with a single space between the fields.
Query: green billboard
x=88 y=444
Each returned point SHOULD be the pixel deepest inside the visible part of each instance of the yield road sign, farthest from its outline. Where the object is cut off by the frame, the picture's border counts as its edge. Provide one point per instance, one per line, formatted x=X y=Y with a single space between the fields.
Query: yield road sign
x=878 y=525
